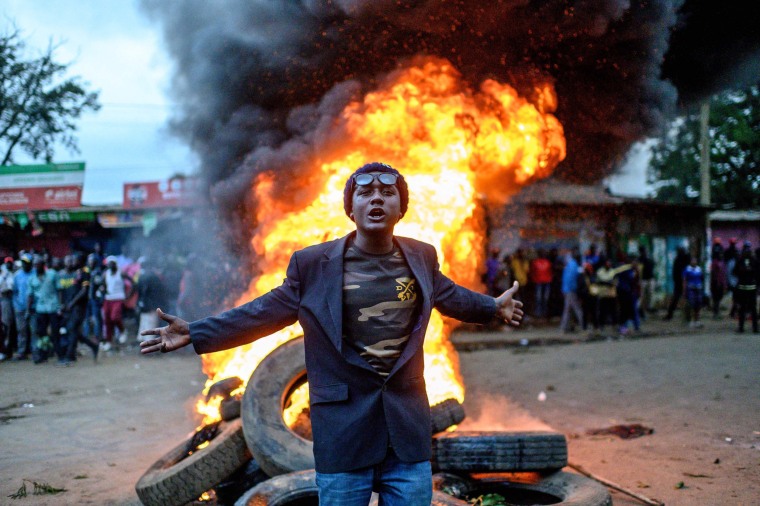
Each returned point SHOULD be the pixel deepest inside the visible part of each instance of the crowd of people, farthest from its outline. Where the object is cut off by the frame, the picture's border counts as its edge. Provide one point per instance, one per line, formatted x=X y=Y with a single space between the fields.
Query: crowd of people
x=593 y=290
x=50 y=305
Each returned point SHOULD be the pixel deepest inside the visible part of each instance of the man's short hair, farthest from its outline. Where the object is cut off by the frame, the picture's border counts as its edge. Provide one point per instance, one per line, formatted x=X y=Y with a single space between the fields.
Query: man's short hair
x=348 y=191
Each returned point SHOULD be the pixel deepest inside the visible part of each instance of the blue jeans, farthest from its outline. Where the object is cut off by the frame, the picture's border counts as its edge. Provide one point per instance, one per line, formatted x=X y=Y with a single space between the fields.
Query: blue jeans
x=93 y=319
x=397 y=483
x=542 y=299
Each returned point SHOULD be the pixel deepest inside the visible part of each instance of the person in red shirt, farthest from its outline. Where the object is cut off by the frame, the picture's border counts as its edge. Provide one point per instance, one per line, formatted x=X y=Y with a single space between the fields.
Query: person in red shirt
x=541 y=275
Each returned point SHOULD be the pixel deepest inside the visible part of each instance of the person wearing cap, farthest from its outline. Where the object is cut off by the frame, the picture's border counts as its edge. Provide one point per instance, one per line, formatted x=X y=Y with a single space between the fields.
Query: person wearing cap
x=6 y=307
x=364 y=302
x=21 y=308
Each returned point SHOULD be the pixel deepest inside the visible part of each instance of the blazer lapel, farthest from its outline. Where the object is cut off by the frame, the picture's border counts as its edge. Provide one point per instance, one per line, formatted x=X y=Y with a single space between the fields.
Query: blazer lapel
x=332 y=282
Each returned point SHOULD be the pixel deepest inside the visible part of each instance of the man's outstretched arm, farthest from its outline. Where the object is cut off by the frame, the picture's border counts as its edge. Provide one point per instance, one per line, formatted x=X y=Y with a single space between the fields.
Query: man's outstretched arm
x=243 y=324
x=172 y=337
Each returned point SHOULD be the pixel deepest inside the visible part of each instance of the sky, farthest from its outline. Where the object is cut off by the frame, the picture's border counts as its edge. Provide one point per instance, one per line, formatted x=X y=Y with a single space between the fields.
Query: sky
x=115 y=49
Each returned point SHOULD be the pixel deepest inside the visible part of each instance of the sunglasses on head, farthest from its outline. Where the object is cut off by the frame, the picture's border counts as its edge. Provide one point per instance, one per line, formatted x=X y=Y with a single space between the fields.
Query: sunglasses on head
x=383 y=177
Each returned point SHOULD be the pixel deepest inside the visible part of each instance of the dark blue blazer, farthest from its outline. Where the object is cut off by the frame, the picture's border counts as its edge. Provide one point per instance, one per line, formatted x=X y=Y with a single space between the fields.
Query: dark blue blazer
x=355 y=413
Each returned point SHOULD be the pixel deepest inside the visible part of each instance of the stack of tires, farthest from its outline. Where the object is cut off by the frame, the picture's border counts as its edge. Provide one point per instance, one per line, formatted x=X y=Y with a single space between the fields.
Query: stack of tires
x=256 y=459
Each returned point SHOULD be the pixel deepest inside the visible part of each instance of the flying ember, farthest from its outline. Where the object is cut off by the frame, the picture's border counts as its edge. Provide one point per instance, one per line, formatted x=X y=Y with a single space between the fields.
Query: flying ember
x=458 y=148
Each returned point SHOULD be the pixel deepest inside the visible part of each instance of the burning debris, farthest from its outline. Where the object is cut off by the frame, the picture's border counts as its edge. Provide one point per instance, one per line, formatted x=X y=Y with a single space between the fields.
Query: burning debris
x=471 y=100
x=282 y=99
x=267 y=455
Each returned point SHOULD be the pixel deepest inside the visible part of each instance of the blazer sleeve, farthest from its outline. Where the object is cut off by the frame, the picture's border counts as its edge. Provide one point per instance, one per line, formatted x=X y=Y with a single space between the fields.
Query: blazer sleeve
x=258 y=318
x=460 y=303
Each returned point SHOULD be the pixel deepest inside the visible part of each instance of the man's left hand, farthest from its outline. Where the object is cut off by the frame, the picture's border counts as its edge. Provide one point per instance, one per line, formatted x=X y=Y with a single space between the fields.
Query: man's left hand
x=509 y=309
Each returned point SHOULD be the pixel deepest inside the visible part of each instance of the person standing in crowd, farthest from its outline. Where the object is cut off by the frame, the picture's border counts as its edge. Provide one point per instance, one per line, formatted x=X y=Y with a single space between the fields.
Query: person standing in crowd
x=93 y=318
x=746 y=287
x=74 y=283
x=570 y=274
x=606 y=293
x=592 y=257
x=97 y=252
x=693 y=287
x=588 y=291
x=21 y=308
x=628 y=290
x=45 y=303
x=679 y=264
x=6 y=308
x=520 y=267
x=130 y=311
x=151 y=294
x=364 y=302
x=731 y=256
x=541 y=275
x=113 y=305
x=718 y=281
x=647 y=282
x=493 y=268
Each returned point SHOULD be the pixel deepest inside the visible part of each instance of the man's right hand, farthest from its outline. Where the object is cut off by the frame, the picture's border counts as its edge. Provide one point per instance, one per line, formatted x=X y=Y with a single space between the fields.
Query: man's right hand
x=172 y=337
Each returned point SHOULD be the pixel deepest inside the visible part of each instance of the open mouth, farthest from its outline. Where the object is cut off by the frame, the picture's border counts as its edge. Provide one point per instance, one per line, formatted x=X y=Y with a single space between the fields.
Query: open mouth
x=376 y=213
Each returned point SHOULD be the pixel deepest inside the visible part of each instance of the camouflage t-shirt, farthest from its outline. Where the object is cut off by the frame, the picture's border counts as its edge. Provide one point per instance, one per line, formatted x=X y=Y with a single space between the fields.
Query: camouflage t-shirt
x=380 y=305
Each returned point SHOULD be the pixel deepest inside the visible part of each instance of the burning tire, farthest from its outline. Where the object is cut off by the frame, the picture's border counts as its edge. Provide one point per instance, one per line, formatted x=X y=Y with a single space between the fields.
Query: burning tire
x=276 y=448
x=287 y=489
x=445 y=414
x=558 y=488
x=182 y=475
x=499 y=451
x=239 y=482
x=223 y=388
x=229 y=409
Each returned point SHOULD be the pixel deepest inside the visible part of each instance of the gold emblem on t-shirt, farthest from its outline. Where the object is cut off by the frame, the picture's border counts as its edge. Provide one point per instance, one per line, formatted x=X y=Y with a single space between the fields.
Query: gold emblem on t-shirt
x=406 y=289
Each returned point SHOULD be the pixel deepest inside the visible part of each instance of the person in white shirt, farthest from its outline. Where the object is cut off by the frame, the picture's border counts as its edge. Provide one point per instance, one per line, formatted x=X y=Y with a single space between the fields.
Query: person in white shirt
x=113 y=305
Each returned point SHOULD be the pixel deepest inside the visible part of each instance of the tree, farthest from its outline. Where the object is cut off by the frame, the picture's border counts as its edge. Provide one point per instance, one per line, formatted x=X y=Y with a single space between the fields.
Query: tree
x=38 y=107
x=734 y=127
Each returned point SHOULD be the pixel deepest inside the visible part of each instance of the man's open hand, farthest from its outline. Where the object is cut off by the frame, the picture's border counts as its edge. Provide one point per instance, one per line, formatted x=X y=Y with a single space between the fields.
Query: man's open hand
x=172 y=337
x=509 y=309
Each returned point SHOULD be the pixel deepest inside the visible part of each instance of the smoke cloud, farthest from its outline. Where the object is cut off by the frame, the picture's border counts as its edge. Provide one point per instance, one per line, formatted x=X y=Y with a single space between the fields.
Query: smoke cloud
x=259 y=81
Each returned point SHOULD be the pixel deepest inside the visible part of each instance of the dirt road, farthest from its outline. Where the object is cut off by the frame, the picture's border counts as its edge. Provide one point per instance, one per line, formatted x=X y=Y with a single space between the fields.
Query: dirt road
x=94 y=429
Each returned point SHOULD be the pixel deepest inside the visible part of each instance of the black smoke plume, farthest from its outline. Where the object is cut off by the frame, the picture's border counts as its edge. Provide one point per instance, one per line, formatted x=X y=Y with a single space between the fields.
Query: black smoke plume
x=258 y=80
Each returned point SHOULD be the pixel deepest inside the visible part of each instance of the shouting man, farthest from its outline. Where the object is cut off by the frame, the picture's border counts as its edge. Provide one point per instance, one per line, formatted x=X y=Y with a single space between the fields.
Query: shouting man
x=364 y=302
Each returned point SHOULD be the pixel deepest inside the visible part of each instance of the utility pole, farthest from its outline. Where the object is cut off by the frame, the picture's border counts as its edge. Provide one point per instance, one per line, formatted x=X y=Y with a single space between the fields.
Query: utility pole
x=704 y=172
x=704 y=164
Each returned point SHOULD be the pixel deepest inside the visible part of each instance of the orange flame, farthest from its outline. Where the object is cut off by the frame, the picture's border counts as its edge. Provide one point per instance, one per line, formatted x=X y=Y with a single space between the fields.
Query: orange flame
x=456 y=148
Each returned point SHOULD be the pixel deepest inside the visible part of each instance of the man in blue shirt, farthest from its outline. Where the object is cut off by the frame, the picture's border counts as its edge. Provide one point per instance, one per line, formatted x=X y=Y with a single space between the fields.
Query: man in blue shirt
x=21 y=308
x=570 y=291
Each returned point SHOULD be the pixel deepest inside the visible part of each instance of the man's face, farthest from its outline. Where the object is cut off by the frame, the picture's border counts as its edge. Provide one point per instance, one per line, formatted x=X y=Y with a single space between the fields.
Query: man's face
x=376 y=207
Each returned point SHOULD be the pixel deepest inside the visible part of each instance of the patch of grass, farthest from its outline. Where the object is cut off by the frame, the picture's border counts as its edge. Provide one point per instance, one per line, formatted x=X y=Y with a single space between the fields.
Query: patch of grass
x=81 y=477
x=38 y=489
